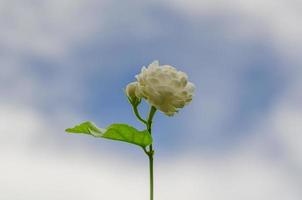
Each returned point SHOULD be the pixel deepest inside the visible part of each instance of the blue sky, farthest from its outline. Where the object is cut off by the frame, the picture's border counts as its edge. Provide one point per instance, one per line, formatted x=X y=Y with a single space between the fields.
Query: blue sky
x=66 y=62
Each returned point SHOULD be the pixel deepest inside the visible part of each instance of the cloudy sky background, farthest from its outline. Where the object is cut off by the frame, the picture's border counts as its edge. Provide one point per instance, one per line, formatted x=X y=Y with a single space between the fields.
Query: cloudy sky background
x=63 y=62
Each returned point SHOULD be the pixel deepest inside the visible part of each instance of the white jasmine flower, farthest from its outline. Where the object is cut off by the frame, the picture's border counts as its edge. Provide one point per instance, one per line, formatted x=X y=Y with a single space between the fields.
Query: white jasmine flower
x=163 y=87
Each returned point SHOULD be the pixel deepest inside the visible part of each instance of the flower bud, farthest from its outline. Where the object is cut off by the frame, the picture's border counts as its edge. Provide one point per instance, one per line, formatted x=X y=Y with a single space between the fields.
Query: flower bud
x=131 y=91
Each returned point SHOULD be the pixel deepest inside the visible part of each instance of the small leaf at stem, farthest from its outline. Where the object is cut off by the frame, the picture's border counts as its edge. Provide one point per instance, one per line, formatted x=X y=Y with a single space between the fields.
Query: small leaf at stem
x=121 y=132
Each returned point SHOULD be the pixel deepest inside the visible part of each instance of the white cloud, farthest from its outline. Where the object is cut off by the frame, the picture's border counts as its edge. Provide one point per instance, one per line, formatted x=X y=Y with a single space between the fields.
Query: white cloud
x=27 y=177
x=277 y=19
x=46 y=28
x=45 y=31
x=285 y=121
x=77 y=173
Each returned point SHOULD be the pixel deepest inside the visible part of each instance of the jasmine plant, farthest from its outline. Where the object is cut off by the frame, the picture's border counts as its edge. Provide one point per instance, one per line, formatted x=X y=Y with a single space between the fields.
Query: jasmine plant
x=165 y=89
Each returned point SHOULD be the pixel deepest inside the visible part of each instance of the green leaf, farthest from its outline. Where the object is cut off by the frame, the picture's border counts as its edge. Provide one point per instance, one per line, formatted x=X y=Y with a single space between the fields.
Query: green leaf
x=121 y=132
x=87 y=128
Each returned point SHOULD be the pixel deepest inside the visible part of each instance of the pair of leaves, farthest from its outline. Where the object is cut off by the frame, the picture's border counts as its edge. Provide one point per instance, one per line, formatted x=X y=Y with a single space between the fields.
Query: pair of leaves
x=121 y=132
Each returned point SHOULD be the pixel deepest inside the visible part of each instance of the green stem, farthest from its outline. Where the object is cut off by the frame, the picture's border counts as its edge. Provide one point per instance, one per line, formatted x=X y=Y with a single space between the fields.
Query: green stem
x=151 y=152
x=138 y=115
x=151 y=176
